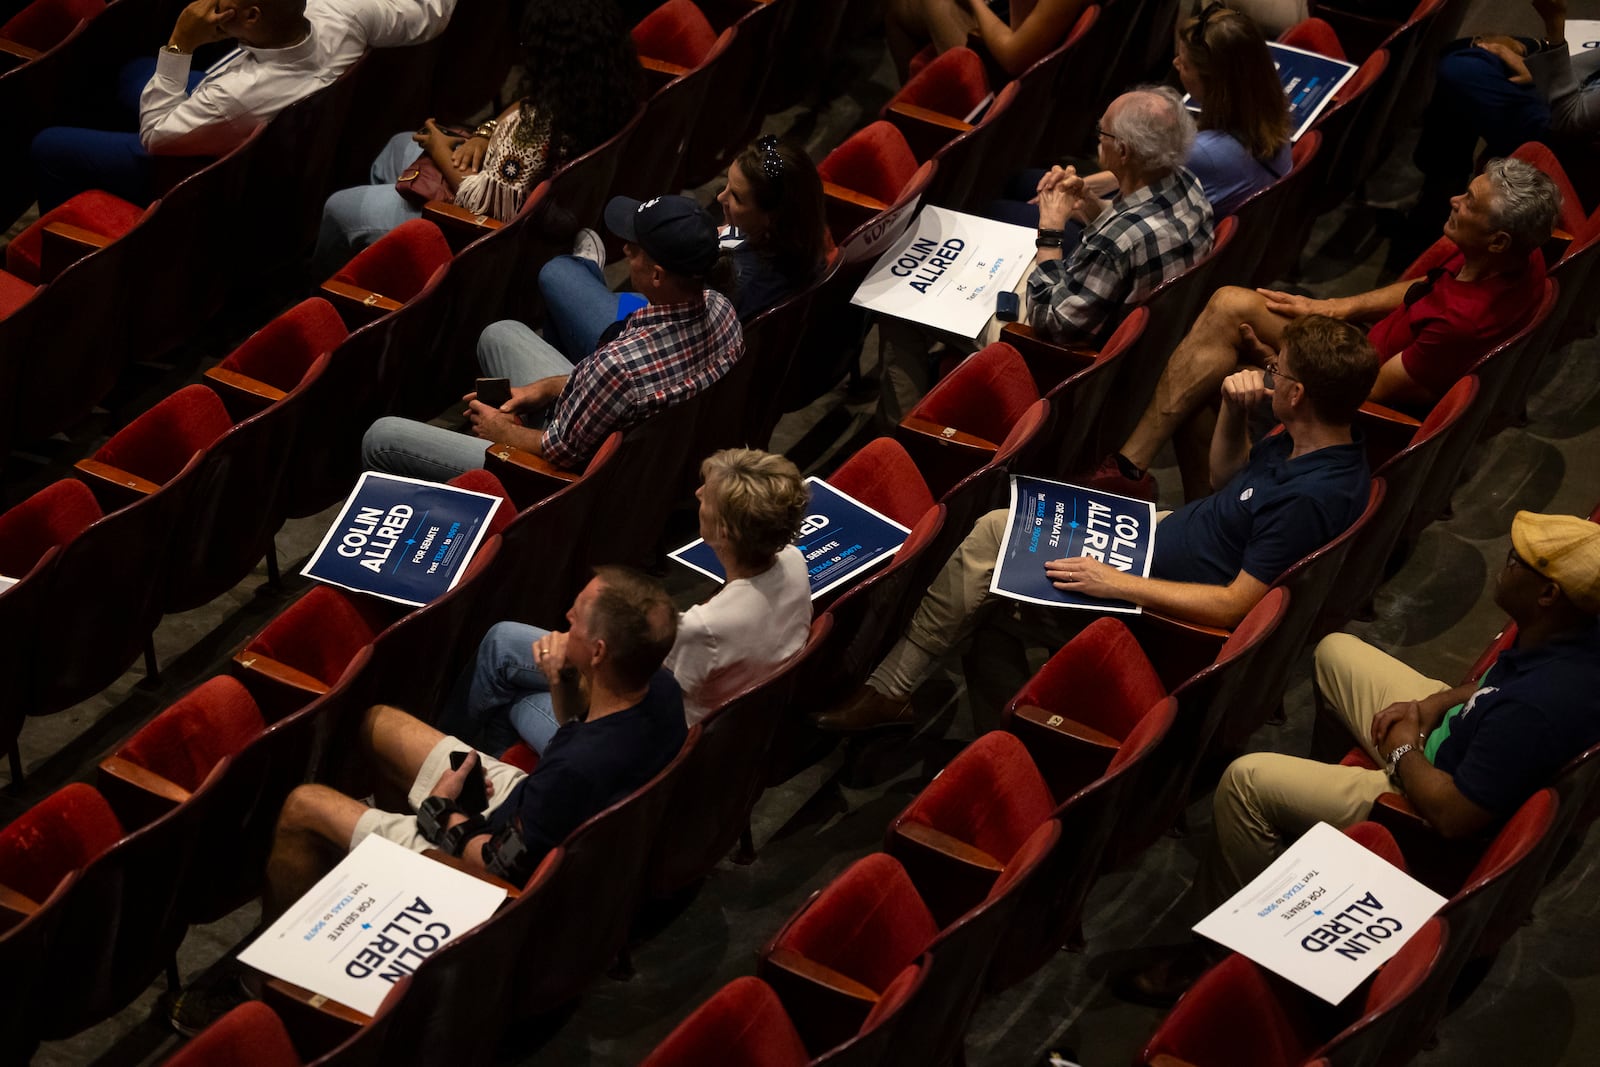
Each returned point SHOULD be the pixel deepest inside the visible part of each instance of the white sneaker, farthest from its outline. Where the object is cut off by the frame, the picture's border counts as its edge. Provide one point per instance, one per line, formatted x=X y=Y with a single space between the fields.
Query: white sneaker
x=588 y=245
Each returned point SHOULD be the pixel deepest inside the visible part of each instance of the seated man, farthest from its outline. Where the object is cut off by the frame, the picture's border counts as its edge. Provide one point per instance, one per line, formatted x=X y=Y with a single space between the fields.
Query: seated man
x=1214 y=558
x=623 y=623
x=682 y=341
x=287 y=50
x=1427 y=331
x=1156 y=225
x=1465 y=757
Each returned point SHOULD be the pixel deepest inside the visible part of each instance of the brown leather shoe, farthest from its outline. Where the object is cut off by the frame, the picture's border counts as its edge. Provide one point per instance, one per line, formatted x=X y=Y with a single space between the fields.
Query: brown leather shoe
x=867 y=709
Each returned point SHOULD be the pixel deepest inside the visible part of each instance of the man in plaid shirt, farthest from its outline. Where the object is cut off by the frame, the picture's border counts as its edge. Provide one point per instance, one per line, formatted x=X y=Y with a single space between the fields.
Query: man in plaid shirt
x=685 y=339
x=1155 y=226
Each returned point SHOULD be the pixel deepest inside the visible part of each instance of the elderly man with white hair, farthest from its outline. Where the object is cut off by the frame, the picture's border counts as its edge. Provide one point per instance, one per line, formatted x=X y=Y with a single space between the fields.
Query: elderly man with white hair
x=1154 y=227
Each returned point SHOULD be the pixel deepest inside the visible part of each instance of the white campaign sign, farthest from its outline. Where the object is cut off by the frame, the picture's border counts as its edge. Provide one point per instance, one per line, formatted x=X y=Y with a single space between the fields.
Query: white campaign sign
x=1325 y=915
x=1583 y=35
x=368 y=924
x=947 y=270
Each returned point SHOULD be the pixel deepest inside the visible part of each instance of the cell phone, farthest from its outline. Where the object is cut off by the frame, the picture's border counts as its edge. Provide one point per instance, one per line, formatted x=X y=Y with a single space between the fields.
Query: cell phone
x=494 y=391
x=474 y=794
x=1006 y=306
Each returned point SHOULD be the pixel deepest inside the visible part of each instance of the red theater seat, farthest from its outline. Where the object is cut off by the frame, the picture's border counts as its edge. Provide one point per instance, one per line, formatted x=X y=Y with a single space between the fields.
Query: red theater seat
x=677 y=32
x=742 y=1025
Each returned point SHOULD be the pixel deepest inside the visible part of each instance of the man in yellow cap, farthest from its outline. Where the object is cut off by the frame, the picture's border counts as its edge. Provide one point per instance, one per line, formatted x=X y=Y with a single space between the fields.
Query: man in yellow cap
x=1465 y=757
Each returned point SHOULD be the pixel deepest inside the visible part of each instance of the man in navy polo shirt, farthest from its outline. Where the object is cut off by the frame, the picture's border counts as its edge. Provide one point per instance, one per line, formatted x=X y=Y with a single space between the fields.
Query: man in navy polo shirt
x=1214 y=558
x=622 y=626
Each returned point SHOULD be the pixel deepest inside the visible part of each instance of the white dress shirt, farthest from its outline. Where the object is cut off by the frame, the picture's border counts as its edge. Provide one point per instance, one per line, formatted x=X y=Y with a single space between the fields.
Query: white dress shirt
x=248 y=86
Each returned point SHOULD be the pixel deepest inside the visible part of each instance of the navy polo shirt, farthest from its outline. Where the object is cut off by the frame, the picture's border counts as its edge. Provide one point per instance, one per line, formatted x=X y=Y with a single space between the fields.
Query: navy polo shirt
x=588 y=766
x=1272 y=514
x=1534 y=710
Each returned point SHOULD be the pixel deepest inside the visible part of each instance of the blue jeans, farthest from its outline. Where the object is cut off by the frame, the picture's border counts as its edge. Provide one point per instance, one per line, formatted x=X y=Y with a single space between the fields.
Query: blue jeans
x=578 y=305
x=506 y=349
x=68 y=160
x=506 y=696
x=354 y=218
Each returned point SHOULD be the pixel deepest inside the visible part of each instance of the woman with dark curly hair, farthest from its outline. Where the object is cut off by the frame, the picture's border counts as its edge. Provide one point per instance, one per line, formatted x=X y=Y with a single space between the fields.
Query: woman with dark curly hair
x=582 y=84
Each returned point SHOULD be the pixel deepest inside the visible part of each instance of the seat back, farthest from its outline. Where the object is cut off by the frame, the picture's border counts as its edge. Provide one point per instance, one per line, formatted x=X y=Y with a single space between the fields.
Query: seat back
x=1573 y=317
x=724 y=776
x=1081 y=398
x=963 y=158
x=1069 y=69
x=743 y=1024
x=44 y=24
x=1235 y=1013
x=602 y=865
x=1275 y=222
x=659 y=143
x=733 y=114
x=982 y=398
x=1342 y=147
x=1313 y=35
x=250 y=1035
x=771 y=343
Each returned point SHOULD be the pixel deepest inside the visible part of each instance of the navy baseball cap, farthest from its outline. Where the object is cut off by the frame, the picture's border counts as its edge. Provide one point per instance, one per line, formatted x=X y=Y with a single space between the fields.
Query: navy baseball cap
x=674 y=231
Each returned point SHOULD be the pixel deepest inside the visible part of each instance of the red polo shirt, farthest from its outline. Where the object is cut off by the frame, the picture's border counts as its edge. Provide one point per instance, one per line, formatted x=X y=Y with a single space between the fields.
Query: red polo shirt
x=1441 y=333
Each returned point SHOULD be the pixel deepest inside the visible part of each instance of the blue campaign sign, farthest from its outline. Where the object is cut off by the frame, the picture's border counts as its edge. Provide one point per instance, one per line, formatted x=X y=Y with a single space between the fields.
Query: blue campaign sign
x=841 y=538
x=1309 y=80
x=1051 y=520
x=402 y=539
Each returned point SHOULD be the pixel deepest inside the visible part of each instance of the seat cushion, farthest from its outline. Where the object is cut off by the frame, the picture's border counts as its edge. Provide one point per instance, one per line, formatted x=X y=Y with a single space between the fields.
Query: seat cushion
x=202 y=728
x=677 y=32
x=283 y=350
x=876 y=161
x=14 y=292
x=52 y=516
x=400 y=264
x=62 y=833
x=160 y=443
x=97 y=212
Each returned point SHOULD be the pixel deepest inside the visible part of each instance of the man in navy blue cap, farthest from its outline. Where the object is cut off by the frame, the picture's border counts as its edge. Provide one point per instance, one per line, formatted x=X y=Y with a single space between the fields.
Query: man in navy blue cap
x=684 y=338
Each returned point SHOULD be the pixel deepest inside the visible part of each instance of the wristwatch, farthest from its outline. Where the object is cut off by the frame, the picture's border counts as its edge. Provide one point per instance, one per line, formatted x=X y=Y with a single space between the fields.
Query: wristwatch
x=1394 y=757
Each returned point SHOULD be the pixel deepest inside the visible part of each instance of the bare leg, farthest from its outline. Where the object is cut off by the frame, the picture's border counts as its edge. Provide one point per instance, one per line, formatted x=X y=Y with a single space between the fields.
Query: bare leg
x=911 y=24
x=398 y=742
x=313 y=834
x=1209 y=353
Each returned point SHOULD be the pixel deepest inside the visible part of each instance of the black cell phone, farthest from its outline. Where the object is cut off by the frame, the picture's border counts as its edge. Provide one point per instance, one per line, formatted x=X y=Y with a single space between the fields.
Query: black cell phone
x=474 y=794
x=494 y=391
x=1007 y=306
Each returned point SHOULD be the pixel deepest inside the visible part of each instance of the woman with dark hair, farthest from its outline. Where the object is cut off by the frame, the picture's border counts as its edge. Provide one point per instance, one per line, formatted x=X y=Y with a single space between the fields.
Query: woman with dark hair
x=1243 y=144
x=774 y=235
x=582 y=84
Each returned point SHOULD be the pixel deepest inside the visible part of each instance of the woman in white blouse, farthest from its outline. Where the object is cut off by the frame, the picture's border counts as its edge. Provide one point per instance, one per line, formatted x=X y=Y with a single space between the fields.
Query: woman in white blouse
x=751 y=507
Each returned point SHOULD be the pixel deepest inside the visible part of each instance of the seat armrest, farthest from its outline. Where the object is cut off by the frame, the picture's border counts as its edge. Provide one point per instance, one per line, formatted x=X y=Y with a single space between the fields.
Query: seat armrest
x=846 y=209
x=826 y=1007
x=527 y=477
x=316 y=1024
x=659 y=73
x=1177 y=649
x=62 y=244
x=943 y=454
x=1385 y=432
x=112 y=486
x=924 y=129
x=461 y=227
x=951 y=875
x=1069 y=754
x=277 y=676
x=457 y=863
x=15 y=907
x=1163 y=1059
x=853 y=198
x=1049 y=363
x=139 y=796
x=19 y=50
x=241 y=394
x=1432 y=859
x=358 y=306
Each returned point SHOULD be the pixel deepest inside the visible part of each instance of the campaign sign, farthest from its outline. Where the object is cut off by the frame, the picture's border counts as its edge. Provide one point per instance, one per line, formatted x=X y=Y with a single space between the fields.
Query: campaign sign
x=402 y=539
x=841 y=538
x=1583 y=35
x=370 y=922
x=1325 y=915
x=1309 y=81
x=1052 y=520
x=947 y=270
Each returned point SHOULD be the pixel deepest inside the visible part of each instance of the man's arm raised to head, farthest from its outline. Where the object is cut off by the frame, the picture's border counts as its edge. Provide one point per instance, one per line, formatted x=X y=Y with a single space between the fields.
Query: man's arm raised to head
x=1222 y=606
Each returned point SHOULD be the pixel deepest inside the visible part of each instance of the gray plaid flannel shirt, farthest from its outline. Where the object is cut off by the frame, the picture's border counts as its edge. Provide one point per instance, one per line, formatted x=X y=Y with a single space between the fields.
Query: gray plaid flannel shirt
x=1141 y=240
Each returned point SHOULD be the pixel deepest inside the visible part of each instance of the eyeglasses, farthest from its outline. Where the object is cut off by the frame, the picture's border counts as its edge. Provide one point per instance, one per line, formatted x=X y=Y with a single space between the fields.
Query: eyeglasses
x=771 y=160
x=1273 y=372
x=1101 y=132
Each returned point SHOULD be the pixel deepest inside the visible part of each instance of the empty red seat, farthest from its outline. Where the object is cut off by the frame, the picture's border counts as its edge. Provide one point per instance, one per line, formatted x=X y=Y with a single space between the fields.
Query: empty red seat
x=743 y=1024
x=875 y=161
x=61 y=834
x=99 y=213
x=401 y=263
x=481 y=481
x=186 y=741
x=160 y=443
x=883 y=476
x=954 y=84
x=51 y=517
x=303 y=652
x=250 y=1035
x=677 y=32
x=1313 y=35
x=281 y=352
x=44 y=24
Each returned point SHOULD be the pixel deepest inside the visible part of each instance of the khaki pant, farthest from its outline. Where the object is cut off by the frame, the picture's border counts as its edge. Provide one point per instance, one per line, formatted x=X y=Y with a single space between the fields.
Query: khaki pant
x=1266 y=800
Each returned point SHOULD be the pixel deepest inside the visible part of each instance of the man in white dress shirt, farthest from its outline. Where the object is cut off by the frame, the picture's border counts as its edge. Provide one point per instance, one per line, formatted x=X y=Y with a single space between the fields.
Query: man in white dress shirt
x=287 y=50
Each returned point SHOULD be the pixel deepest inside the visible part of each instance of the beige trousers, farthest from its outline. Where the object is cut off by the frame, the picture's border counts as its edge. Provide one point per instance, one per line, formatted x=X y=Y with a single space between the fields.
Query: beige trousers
x=1266 y=800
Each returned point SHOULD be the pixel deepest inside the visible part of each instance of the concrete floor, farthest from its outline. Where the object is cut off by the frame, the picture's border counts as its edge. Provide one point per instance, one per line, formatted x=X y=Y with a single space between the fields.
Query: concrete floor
x=1536 y=1007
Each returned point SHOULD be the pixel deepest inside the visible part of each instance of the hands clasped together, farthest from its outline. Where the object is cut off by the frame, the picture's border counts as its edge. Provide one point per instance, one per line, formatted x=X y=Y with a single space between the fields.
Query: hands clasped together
x=493 y=424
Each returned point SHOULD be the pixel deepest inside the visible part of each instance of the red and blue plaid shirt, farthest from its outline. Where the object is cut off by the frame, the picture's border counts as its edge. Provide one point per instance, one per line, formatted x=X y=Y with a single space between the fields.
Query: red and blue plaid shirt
x=665 y=354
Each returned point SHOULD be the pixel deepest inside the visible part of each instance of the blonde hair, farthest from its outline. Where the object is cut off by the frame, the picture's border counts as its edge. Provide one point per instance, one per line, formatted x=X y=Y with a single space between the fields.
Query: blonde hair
x=759 y=499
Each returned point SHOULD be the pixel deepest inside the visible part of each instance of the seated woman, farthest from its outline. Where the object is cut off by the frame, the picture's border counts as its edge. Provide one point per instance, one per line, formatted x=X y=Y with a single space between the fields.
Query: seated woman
x=751 y=507
x=582 y=85
x=1017 y=35
x=1243 y=144
x=773 y=228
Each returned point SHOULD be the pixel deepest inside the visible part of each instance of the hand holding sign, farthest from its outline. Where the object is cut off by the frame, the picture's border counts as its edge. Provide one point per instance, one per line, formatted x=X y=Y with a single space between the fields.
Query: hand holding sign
x=1085 y=576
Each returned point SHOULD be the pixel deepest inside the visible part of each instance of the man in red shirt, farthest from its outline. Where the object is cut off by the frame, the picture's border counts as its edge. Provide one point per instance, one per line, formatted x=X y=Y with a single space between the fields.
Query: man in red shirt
x=1481 y=284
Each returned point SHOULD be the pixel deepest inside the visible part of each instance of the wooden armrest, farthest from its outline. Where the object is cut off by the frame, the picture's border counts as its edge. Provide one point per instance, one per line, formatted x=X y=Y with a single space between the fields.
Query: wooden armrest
x=853 y=198
x=953 y=848
x=20 y=905
x=138 y=795
x=658 y=72
x=933 y=118
x=62 y=244
x=1384 y=432
x=1069 y=754
x=527 y=477
x=112 y=486
x=438 y=856
x=241 y=394
x=1049 y=363
x=21 y=51
x=1162 y=1059
x=820 y=974
x=461 y=227
x=1371 y=409
x=1177 y=649
x=943 y=454
x=358 y=306
x=316 y=1024
x=951 y=875
x=947 y=435
x=925 y=130
x=279 y=673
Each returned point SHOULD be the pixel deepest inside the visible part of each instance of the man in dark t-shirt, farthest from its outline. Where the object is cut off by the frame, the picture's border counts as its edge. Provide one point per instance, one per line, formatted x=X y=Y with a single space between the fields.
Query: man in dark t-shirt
x=1215 y=557
x=622 y=626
